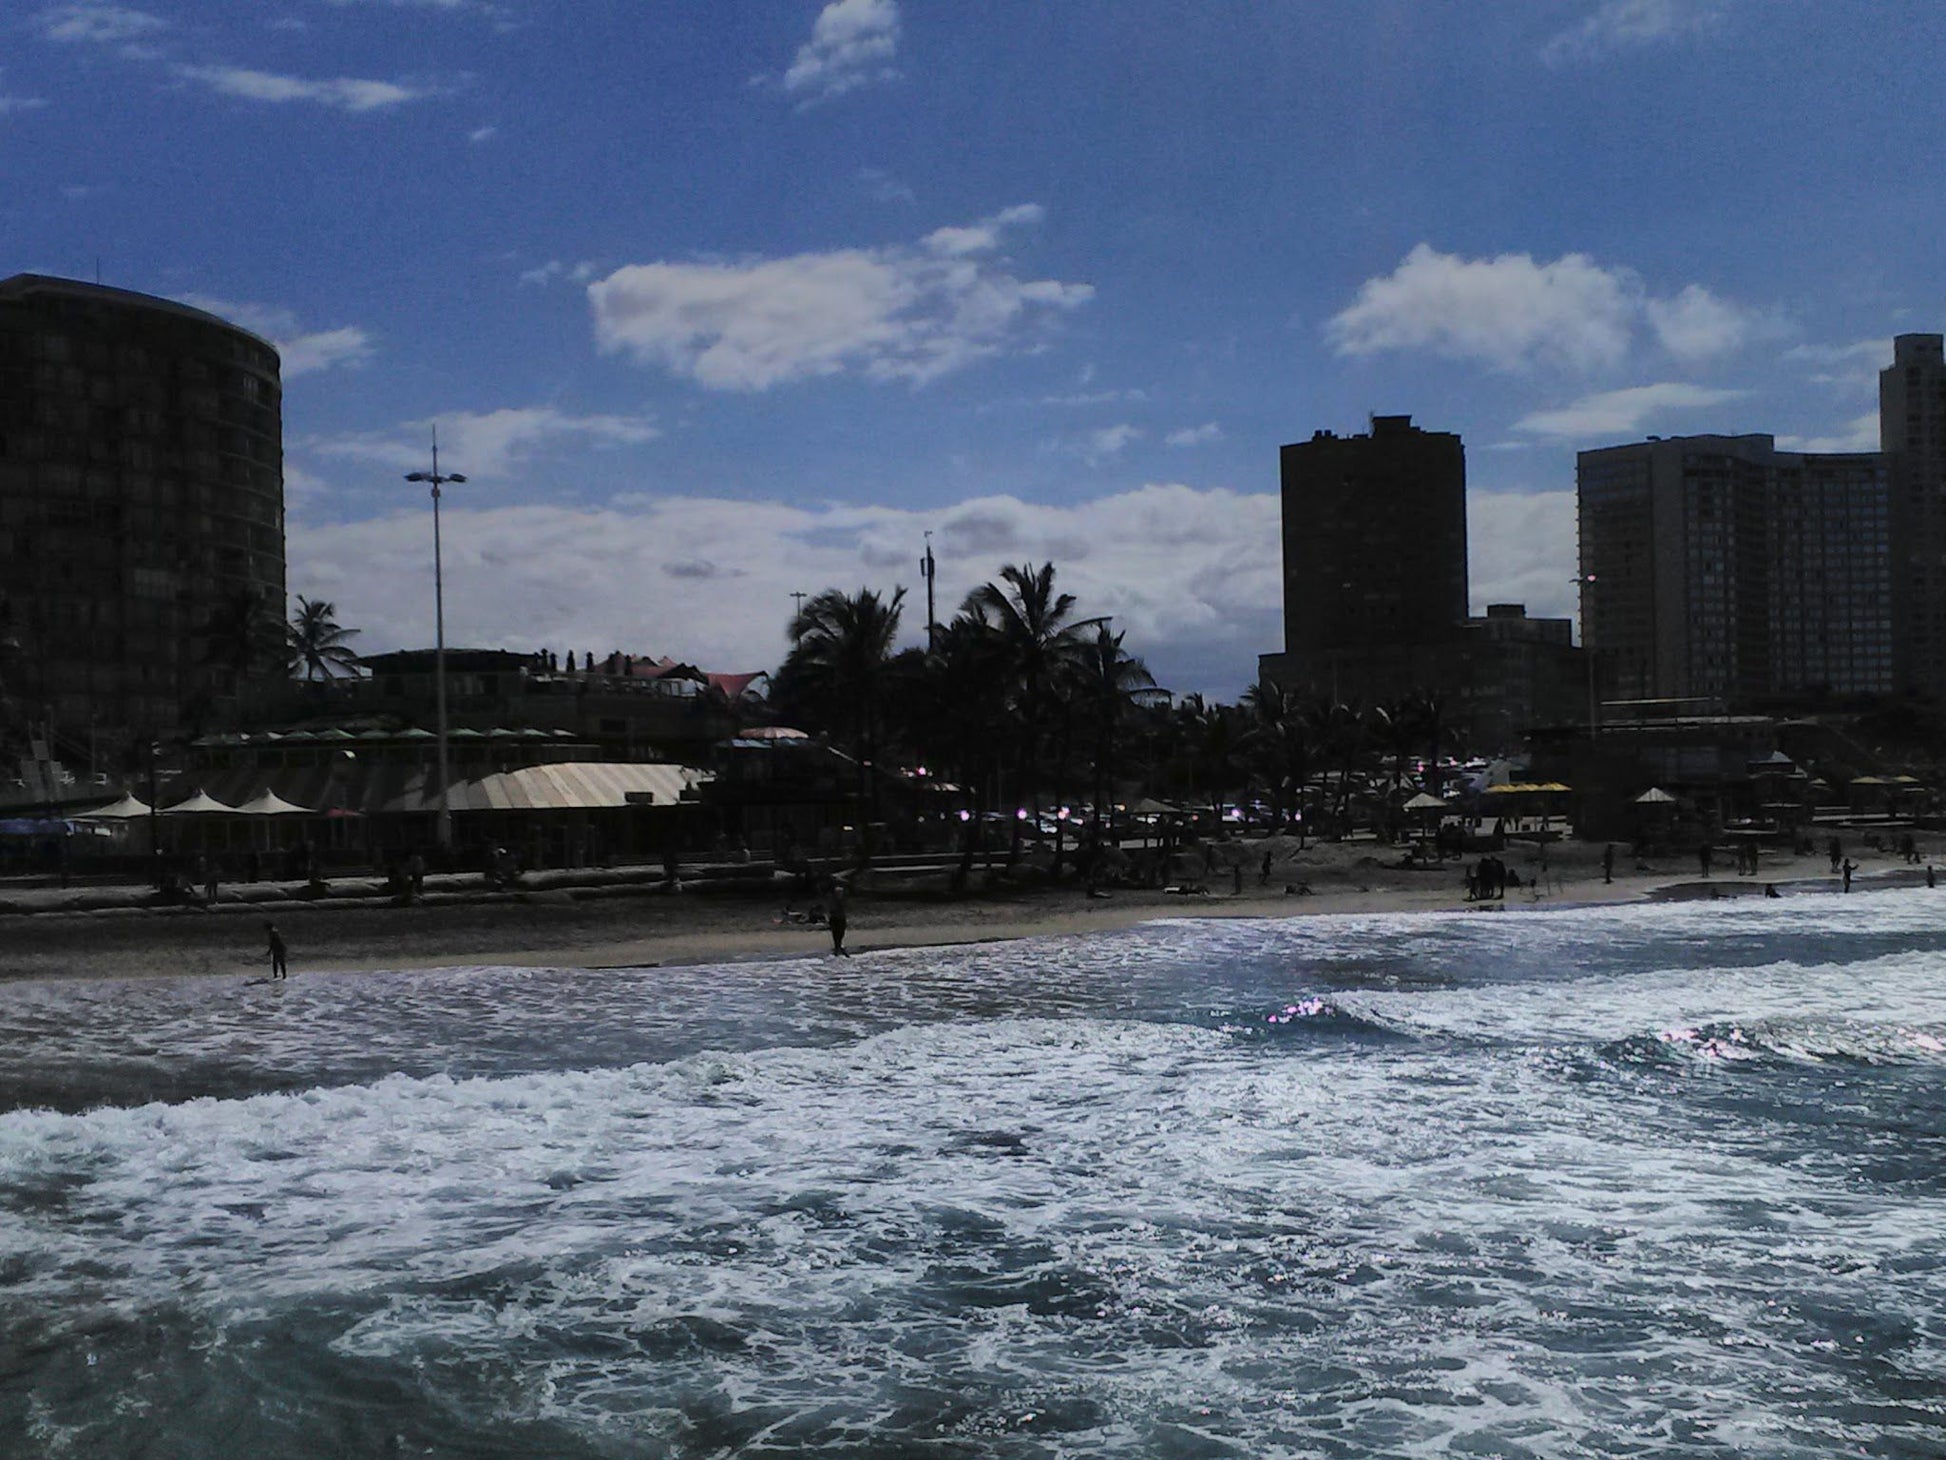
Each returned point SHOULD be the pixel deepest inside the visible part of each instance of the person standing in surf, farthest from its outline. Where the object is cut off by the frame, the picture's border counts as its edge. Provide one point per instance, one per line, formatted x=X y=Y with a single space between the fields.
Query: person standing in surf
x=834 y=916
x=279 y=965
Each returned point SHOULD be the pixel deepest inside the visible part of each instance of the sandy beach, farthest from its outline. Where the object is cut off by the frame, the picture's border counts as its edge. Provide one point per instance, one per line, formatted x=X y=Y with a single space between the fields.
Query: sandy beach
x=622 y=923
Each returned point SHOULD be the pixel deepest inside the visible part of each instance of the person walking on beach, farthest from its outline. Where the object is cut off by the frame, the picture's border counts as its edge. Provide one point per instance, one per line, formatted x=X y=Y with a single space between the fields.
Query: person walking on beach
x=1837 y=850
x=279 y=965
x=834 y=917
x=1608 y=862
x=1849 y=868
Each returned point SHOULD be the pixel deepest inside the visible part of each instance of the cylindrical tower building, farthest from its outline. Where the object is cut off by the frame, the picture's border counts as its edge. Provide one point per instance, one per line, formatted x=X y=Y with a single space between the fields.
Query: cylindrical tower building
x=141 y=516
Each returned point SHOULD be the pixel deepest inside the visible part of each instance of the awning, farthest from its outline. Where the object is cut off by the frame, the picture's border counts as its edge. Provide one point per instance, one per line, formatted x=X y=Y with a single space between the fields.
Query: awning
x=200 y=803
x=271 y=804
x=120 y=810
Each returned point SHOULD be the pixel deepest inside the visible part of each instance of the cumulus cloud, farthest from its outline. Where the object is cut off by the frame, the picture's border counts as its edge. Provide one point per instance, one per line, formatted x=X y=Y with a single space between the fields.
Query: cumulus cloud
x=98 y=24
x=303 y=352
x=1522 y=546
x=897 y=313
x=486 y=444
x=1860 y=434
x=1852 y=367
x=1515 y=313
x=1616 y=25
x=1110 y=441
x=1195 y=435
x=344 y=93
x=1623 y=412
x=1193 y=575
x=853 y=43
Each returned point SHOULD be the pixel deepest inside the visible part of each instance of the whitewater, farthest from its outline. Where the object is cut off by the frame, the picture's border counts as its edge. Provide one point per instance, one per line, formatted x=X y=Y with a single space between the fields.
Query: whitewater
x=1620 y=1181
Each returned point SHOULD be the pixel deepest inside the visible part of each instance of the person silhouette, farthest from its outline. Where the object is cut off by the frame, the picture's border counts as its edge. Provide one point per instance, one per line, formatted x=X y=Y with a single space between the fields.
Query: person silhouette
x=279 y=964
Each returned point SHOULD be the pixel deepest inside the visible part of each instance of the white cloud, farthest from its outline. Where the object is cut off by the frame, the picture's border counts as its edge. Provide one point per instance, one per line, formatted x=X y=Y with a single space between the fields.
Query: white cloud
x=1623 y=412
x=1852 y=368
x=1697 y=325
x=1860 y=434
x=852 y=44
x=11 y=104
x=1514 y=313
x=486 y=444
x=896 y=313
x=482 y=134
x=302 y=352
x=554 y=269
x=1110 y=441
x=99 y=24
x=342 y=92
x=1192 y=575
x=1522 y=546
x=1618 y=25
x=1509 y=311
x=1195 y=435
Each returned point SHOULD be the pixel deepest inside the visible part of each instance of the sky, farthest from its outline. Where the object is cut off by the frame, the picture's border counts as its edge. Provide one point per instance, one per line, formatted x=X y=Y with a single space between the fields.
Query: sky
x=717 y=301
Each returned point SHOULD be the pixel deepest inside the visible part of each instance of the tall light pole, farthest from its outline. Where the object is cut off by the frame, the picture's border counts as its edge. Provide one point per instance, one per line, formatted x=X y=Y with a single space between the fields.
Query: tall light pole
x=1583 y=582
x=443 y=821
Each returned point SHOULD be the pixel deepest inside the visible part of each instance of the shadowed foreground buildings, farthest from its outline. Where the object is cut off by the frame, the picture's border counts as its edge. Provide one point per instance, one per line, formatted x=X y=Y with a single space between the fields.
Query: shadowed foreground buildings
x=1375 y=589
x=141 y=496
x=1717 y=568
x=1912 y=436
x=1725 y=571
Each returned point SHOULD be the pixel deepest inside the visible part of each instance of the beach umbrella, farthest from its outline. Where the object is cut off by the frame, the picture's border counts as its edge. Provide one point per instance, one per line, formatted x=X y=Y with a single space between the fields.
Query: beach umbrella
x=202 y=803
x=271 y=804
x=1655 y=796
x=121 y=810
x=1424 y=801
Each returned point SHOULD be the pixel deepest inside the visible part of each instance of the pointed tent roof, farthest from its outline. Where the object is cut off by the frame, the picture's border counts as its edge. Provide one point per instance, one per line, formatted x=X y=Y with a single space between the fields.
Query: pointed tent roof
x=121 y=810
x=1424 y=801
x=202 y=801
x=1655 y=796
x=271 y=804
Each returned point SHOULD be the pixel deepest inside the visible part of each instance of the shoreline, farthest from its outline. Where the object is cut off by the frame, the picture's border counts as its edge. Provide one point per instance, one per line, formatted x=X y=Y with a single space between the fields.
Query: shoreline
x=551 y=927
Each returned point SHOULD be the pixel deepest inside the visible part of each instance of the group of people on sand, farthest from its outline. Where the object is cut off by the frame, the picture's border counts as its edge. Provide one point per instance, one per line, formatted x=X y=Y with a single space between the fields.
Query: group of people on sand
x=828 y=913
x=1489 y=879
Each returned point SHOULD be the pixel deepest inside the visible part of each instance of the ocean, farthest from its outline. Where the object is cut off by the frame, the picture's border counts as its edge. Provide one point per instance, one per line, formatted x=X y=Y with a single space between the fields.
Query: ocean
x=1626 y=1181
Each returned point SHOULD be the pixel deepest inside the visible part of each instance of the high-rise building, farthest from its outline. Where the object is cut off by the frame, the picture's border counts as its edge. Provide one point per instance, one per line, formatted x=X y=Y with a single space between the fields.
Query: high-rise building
x=1375 y=590
x=1374 y=539
x=1719 y=568
x=1912 y=435
x=141 y=513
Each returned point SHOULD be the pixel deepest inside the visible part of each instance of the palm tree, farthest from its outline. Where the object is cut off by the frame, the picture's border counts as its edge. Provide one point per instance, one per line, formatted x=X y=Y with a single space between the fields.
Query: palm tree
x=242 y=638
x=838 y=672
x=1282 y=744
x=316 y=644
x=1038 y=644
x=1108 y=682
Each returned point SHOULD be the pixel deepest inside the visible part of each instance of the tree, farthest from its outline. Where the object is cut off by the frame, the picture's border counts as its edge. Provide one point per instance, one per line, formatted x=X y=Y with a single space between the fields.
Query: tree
x=838 y=672
x=242 y=637
x=1107 y=682
x=1038 y=644
x=1281 y=744
x=317 y=646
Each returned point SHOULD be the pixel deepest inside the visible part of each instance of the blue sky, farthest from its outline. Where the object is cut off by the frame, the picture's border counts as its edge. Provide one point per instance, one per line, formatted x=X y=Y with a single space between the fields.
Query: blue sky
x=715 y=301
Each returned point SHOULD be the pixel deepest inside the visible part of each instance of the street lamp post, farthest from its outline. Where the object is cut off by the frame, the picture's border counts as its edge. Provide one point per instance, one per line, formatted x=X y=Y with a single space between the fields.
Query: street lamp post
x=1583 y=582
x=443 y=821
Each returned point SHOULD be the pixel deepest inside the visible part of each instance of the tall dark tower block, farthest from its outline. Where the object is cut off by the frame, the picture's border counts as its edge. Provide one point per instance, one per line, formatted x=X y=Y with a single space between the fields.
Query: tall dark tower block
x=1374 y=539
x=1912 y=437
x=141 y=502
